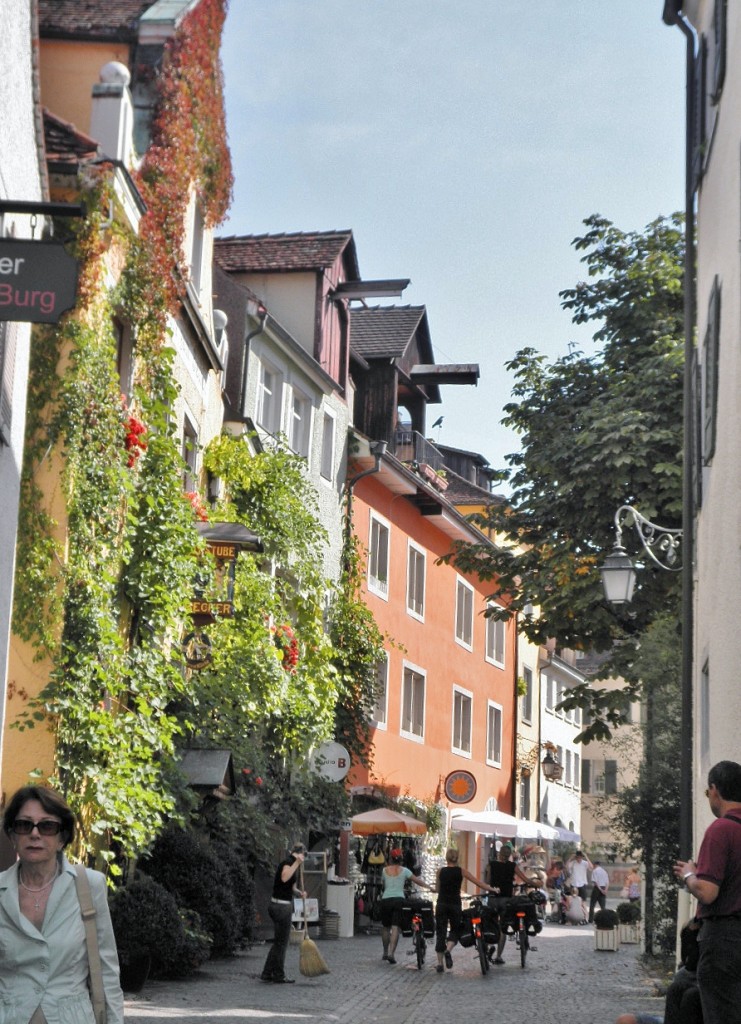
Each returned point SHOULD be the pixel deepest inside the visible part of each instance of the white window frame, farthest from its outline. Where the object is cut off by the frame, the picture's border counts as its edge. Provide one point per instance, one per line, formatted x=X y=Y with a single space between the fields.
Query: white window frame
x=417 y=677
x=329 y=431
x=529 y=677
x=495 y=629
x=380 y=721
x=577 y=771
x=299 y=426
x=462 y=710
x=494 y=724
x=415 y=587
x=270 y=397
x=376 y=583
x=463 y=610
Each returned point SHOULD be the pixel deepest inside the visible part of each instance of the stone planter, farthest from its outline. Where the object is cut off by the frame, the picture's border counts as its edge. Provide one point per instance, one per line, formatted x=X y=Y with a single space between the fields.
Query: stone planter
x=607 y=938
x=630 y=933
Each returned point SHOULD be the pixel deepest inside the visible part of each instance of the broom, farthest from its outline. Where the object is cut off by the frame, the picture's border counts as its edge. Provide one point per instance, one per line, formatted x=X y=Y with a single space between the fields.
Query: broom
x=311 y=962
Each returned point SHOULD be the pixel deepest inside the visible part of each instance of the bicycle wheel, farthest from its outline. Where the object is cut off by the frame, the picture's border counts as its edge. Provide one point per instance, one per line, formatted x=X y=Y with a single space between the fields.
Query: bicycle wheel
x=420 y=948
x=481 y=950
x=524 y=945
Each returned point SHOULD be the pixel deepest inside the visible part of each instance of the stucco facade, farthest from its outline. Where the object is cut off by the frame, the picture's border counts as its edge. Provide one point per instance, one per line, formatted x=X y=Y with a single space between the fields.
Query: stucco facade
x=20 y=179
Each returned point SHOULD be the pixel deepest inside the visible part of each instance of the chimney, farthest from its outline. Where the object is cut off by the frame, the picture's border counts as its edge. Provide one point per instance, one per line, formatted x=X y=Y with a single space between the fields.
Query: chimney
x=112 y=117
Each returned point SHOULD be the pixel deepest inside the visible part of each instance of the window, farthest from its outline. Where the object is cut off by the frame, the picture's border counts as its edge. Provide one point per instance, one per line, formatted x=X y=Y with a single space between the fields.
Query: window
x=196 y=251
x=413 y=703
x=527 y=697
x=494 y=735
x=7 y=374
x=611 y=786
x=577 y=772
x=299 y=429
x=567 y=769
x=699 y=124
x=190 y=455
x=378 y=715
x=415 y=581
x=495 y=634
x=124 y=356
x=549 y=688
x=462 y=718
x=464 y=614
x=710 y=358
x=269 y=398
x=525 y=796
x=378 y=558
x=327 y=466
x=719 y=50
x=586 y=775
x=559 y=758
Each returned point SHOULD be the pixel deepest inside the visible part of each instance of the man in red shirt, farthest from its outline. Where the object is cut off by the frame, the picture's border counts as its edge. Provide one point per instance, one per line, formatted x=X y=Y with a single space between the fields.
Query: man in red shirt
x=715 y=882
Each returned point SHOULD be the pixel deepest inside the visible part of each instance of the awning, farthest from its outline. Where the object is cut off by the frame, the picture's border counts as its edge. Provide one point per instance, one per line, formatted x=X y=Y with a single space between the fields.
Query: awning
x=489 y=823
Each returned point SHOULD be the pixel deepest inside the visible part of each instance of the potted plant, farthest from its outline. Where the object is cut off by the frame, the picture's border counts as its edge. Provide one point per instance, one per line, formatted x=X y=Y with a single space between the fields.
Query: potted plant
x=606 y=934
x=629 y=916
x=146 y=924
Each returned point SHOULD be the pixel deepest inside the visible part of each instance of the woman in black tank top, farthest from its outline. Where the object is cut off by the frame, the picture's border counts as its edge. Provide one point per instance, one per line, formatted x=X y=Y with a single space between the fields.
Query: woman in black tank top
x=448 y=909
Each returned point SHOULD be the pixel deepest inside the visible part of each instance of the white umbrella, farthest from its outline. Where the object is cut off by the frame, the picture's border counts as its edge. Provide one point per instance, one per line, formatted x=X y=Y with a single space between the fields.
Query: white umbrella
x=490 y=822
x=485 y=822
x=567 y=836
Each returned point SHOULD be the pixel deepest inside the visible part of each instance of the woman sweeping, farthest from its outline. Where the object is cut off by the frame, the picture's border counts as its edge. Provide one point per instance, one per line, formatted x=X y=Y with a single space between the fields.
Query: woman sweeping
x=448 y=910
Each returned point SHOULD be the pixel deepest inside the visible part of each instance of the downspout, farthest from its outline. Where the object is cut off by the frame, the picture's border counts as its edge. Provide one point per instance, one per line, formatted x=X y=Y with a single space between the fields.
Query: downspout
x=672 y=16
x=263 y=315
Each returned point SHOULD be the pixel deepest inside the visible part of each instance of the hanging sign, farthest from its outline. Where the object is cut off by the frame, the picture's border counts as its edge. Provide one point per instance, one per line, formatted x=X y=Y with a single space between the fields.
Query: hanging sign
x=460 y=787
x=38 y=281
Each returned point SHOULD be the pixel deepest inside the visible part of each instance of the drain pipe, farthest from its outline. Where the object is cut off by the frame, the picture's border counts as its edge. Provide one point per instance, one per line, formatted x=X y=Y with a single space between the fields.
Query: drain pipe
x=672 y=16
x=262 y=313
x=377 y=450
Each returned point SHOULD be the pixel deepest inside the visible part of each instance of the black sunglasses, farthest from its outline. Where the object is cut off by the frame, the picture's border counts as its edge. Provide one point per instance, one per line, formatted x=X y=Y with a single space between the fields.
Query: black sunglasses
x=24 y=827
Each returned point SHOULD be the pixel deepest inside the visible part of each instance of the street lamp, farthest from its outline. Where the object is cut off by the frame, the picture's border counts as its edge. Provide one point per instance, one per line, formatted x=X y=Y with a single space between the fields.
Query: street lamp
x=552 y=767
x=661 y=544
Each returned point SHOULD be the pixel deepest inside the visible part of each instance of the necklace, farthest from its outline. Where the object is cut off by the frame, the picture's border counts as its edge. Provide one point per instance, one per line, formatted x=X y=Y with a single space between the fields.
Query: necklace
x=37 y=892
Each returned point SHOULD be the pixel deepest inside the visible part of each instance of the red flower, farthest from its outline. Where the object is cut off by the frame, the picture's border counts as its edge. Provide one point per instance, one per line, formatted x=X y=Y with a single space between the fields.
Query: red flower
x=285 y=640
x=200 y=510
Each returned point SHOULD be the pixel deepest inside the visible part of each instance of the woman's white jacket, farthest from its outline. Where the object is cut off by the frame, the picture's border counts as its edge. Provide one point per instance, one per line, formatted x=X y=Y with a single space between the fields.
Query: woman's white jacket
x=50 y=967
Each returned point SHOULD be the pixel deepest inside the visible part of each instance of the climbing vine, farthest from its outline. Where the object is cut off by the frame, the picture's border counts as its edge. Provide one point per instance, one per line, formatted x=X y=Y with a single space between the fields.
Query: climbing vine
x=105 y=567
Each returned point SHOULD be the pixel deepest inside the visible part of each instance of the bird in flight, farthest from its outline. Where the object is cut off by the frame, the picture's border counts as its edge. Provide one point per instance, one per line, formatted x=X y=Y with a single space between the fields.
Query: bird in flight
x=438 y=422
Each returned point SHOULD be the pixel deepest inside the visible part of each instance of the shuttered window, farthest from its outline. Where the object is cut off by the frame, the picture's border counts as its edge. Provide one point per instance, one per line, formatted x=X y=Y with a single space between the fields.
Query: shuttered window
x=710 y=358
x=719 y=50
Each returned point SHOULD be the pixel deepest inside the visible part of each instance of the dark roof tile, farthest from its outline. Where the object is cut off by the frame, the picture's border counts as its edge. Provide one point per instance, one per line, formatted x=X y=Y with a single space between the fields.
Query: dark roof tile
x=300 y=250
x=65 y=144
x=378 y=332
x=91 y=19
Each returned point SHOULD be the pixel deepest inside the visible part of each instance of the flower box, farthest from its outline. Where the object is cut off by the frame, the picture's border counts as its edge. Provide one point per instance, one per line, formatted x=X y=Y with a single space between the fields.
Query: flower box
x=630 y=933
x=607 y=938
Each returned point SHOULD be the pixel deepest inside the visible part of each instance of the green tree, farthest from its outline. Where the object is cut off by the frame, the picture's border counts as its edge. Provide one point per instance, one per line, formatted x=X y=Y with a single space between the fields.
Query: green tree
x=598 y=431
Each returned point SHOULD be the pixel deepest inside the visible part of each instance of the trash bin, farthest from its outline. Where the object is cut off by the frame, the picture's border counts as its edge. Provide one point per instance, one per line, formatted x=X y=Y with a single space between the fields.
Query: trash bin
x=330 y=925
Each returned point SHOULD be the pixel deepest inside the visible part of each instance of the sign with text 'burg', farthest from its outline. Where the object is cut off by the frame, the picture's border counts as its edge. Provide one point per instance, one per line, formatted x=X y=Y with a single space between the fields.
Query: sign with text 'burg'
x=38 y=281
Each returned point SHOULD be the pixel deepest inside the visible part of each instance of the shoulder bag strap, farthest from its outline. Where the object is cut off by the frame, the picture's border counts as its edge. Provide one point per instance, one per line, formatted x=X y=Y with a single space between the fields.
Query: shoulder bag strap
x=91 y=940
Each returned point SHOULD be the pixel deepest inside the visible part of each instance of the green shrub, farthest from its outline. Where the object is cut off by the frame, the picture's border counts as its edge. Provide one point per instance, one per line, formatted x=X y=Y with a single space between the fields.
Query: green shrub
x=189 y=867
x=146 y=921
x=605 y=919
x=628 y=913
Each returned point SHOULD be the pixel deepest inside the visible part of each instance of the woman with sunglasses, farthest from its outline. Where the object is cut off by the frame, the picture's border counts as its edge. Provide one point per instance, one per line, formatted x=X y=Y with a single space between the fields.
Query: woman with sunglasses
x=44 y=963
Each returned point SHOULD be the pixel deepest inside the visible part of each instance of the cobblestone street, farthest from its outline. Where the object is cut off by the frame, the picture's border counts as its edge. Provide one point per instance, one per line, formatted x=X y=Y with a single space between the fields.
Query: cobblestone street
x=565 y=982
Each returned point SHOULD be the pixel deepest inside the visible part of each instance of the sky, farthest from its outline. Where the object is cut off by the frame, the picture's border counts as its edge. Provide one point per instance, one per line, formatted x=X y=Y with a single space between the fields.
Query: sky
x=463 y=142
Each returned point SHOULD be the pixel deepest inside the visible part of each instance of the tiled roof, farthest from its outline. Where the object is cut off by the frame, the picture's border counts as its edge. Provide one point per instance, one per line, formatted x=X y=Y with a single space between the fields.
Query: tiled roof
x=91 y=19
x=461 y=491
x=65 y=144
x=301 y=250
x=383 y=331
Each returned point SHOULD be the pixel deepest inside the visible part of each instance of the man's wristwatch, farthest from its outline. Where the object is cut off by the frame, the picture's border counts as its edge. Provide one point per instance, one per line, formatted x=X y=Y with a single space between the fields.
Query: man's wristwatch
x=687 y=875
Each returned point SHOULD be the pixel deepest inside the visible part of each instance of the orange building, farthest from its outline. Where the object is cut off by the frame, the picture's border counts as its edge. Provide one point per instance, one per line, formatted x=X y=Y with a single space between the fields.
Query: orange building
x=449 y=678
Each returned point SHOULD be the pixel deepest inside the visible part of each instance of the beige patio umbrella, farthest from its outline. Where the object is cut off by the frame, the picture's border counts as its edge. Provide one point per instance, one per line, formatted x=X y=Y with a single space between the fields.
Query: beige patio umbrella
x=384 y=821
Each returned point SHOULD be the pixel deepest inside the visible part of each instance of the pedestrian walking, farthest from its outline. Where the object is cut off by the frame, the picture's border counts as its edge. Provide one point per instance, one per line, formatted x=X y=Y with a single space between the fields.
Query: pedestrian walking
x=394 y=877
x=600 y=885
x=280 y=910
x=501 y=874
x=448 y=909
x=715 y=882
x=44 y=967
x=577 y=870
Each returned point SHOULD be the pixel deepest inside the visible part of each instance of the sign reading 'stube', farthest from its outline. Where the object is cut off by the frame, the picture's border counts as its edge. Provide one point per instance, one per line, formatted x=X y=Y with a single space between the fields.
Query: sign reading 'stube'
x=38 y=281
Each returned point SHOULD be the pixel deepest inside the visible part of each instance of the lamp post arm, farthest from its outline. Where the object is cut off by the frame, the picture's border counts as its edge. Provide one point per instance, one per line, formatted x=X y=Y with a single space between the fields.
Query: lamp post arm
x=661 y=544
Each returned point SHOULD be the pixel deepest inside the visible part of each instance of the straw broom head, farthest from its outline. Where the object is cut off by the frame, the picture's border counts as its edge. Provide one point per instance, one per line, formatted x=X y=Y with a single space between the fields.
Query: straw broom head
x=310 y=962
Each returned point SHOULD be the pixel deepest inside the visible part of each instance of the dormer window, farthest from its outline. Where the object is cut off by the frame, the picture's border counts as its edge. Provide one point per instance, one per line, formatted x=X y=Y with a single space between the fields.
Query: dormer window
x=196 y=249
